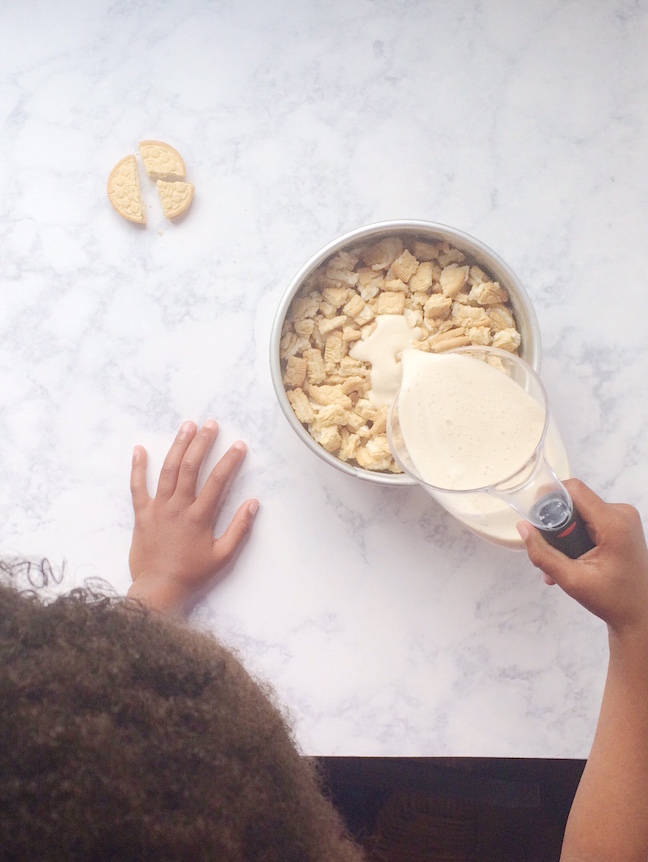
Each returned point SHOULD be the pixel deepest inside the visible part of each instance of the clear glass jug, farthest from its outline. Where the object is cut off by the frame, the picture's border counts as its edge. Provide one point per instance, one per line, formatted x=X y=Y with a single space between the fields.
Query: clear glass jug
x=532 y=490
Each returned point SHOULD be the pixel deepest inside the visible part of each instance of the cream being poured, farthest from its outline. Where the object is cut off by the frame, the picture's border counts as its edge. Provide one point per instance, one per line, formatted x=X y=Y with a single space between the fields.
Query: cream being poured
x=382 y=349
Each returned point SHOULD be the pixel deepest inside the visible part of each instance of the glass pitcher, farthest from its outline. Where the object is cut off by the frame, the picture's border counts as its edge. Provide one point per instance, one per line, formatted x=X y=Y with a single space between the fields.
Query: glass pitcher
x=531 y=490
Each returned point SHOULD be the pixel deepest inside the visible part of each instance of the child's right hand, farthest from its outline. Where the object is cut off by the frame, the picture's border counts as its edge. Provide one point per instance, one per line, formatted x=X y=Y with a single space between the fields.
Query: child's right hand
x=174 y=557
x=611 y=580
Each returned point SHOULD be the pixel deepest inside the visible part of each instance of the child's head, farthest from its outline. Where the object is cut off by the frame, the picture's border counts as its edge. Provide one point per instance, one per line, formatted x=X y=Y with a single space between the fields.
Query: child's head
x=125 y=736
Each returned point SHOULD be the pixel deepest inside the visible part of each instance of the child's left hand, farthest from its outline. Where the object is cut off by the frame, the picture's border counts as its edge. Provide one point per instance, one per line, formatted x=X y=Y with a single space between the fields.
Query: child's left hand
x=174 y=557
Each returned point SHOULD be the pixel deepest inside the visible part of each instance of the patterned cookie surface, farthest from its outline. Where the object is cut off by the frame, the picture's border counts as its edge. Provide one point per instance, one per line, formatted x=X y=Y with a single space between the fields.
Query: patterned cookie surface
x=161 y=160
x=124 y=190
x=176 y=197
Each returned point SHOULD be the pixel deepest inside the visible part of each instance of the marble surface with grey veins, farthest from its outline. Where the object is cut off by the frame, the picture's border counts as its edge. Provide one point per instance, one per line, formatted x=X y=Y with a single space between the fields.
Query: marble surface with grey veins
x=385 y=627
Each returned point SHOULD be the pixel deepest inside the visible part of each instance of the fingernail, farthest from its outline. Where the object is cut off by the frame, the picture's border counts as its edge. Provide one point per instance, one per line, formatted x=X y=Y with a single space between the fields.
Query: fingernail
x=211 y=424
x=253 y=507
x=185 y=428
x=523 y=530
x=137 y=454
x=239 y=446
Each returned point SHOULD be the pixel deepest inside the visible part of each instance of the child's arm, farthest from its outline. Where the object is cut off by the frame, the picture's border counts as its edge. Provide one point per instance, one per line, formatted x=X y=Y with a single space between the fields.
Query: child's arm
x=608 y=821
x=174 y=557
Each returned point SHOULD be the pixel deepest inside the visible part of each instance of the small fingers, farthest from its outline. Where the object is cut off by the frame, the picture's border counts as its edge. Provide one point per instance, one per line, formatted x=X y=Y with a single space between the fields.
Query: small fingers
x=171 y=467
x=193 y=458
x=139 y=491
x=230 y=542
x=592 y=509
x=206 y=505
x=629 y=521
x=609 y=524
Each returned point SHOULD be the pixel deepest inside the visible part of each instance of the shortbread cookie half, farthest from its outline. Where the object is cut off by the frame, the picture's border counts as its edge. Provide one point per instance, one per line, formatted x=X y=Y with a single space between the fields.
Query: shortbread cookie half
x=176 y=197
x=161 y=160
x=125 y=192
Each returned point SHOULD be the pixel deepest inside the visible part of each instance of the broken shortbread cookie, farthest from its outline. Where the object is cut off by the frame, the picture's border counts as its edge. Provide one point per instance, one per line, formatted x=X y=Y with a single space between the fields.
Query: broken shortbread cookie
x=125 y=192
x=162 y=161
x=176 y=197
x=165 y=166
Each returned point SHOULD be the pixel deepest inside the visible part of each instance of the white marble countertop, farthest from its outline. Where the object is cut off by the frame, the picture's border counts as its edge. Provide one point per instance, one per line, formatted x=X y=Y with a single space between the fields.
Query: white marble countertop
x=385 y=627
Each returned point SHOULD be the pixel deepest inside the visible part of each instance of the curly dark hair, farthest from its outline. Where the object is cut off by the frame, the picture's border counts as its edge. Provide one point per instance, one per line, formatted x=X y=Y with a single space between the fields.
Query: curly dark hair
x=127 y=736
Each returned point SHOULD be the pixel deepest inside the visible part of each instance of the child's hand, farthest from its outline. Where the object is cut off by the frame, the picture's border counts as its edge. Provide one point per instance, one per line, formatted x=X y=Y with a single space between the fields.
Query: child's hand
x=611 y=580
x=174 y=558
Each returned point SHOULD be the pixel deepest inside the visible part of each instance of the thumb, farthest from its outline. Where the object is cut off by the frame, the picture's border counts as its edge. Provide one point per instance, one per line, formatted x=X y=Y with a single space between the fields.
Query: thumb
x=230 y=542
x=555 y=565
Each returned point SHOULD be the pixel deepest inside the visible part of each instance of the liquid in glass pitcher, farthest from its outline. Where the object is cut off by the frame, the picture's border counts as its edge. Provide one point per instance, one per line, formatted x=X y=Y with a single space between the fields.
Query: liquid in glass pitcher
x=473 y=427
